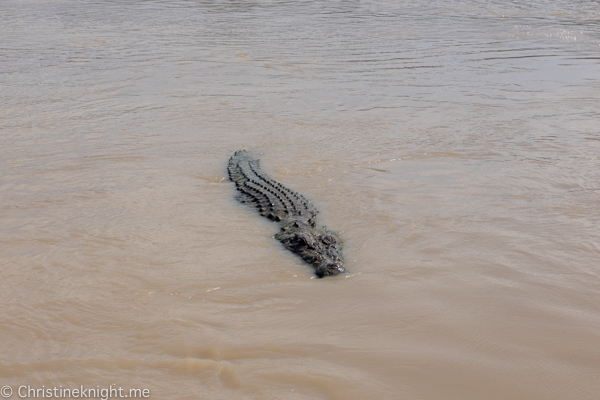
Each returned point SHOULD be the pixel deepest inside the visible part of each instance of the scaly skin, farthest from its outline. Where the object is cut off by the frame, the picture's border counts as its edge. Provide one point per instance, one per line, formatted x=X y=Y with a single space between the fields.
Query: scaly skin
x=319 y=247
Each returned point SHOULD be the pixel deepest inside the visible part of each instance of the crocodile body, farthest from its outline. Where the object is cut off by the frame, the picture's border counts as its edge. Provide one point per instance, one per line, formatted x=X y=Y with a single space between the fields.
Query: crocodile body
x=299 y=233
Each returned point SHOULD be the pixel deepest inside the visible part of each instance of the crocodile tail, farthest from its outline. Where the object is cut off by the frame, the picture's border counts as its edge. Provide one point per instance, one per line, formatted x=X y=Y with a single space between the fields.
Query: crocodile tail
x=271 y=198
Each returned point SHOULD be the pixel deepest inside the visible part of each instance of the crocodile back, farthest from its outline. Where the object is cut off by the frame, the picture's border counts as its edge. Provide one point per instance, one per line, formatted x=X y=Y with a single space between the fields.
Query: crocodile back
x=271 y=198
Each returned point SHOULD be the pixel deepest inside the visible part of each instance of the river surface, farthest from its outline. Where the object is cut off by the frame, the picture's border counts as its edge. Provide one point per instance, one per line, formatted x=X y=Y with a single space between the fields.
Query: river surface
x=455 y=145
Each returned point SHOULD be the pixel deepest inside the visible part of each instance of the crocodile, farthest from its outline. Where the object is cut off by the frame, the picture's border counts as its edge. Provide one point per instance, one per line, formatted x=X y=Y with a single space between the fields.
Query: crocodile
x=299 y=233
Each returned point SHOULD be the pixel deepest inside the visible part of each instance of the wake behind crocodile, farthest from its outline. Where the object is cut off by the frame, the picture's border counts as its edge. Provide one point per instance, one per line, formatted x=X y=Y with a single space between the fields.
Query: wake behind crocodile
x=299 y=233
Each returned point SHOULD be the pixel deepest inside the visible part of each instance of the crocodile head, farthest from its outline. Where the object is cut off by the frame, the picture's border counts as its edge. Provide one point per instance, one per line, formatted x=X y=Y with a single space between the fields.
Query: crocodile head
x=329 y=260
x=319 y=247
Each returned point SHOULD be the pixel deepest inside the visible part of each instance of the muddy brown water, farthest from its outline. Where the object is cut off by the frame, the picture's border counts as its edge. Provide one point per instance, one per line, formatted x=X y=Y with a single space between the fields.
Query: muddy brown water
x=454 y=144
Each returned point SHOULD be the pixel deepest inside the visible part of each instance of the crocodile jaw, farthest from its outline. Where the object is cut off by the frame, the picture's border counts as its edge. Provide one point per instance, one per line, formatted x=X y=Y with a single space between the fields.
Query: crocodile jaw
x=329 y=269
